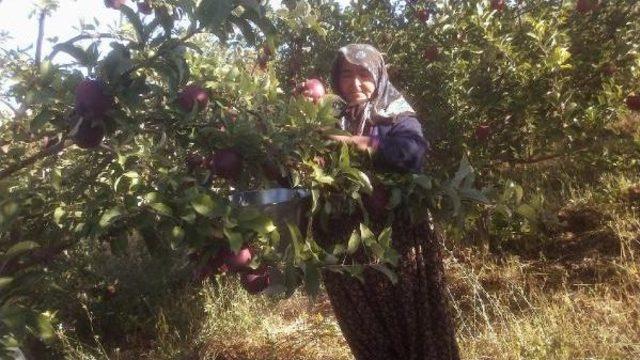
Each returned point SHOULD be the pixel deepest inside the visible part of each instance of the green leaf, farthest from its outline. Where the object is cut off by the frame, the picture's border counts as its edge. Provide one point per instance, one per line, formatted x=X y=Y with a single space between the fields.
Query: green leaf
x=311 y=278
x=77 y=53
x=4 y=281
x=135 y=22
x=109 y=216
x=356 y=271
x=211 y=13
x=384 y=238
x=161 y=208
x=388 y=272
x=339 y=249
x=296 y=238
x=261 y=225
x=354 y=242
x=528 y=212
x=474 y=195
x=41 y=119
x=344 y=156
x=464 y=169
x=235 y=239
x=177 y=233
x=45 y=328
x=423 y=181
x=315 y=196
x=361 y=179
x=20 y=248
x=58 y=213
x=206 y=206
x=366 y=234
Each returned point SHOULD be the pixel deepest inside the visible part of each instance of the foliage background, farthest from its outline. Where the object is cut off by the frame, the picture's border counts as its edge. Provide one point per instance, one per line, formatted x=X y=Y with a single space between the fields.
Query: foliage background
x=94 y=244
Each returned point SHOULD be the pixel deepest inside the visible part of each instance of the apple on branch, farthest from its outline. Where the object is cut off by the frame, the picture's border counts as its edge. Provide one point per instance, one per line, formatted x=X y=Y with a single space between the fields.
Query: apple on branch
x=255 y=281
x=88 y=133
x=226 y=163
x=192 y=95
x=92 y=99
x=240 y=260
x=311 y=89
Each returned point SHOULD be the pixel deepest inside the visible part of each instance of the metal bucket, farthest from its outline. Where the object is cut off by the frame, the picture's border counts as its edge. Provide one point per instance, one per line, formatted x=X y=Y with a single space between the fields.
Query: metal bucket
x=280 y=204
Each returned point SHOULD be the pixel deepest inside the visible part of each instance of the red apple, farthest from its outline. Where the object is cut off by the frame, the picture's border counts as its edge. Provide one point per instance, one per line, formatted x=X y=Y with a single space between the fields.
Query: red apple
x=482 y=132
x=226 y=163
x=255 y=281
x=376 y=203
x=92 y=99
x=312 y=88
x=423 y=15
x=238 y=261
x=191 y=95
x=114 y=4
x=497 y=5
x=145 y=8
x=431 y=53
x=585 y=6
x=90 y=133
x=633 y=102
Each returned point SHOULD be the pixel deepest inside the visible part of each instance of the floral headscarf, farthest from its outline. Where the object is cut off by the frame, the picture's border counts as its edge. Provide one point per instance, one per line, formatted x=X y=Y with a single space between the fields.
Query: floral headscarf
x=385 y=104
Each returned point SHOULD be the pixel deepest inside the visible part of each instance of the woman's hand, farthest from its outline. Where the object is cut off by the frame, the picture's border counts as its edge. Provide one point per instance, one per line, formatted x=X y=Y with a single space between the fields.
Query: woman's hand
x=363 y=143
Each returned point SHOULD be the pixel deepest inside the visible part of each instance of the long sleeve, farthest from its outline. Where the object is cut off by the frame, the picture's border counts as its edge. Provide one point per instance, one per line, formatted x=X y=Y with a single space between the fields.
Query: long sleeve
x=401 y=146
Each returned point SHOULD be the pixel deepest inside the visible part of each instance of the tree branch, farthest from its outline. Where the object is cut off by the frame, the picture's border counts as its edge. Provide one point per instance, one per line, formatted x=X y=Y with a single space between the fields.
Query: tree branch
x=33 y=158
x=43 y=16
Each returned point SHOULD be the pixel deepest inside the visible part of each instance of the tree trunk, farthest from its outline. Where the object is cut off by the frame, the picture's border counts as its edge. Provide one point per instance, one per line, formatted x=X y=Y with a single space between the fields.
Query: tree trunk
x=410 y=320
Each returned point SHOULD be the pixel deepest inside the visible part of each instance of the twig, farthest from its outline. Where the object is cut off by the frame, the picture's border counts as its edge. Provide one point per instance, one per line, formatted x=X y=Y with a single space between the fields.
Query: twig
x=43 y=16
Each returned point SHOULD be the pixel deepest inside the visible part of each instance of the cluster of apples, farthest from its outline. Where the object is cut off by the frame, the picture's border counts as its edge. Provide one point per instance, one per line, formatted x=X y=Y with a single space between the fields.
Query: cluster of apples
x=227 y=261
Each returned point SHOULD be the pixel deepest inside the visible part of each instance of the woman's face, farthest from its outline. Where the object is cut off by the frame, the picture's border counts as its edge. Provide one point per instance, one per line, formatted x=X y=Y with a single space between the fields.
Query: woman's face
x=355 y=83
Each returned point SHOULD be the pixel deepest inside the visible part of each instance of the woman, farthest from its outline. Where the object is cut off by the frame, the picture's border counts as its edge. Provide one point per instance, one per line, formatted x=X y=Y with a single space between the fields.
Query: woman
x=381 y=320
x=377 y=115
